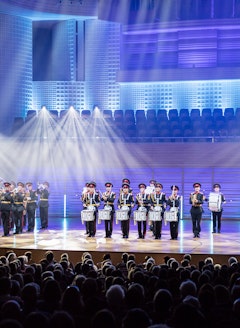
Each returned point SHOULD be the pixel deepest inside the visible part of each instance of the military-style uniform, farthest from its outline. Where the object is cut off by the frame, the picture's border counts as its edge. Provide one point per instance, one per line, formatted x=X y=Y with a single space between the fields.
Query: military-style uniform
x=6 y=206
x=217 y=215
x=196 y=199
x=43 y=204
x=158 y=198
x=174 y=201
x=143 y=203
x=92 y=199
x=125 y=199
x=18 y=208
x=108 y=197
x=31 y=205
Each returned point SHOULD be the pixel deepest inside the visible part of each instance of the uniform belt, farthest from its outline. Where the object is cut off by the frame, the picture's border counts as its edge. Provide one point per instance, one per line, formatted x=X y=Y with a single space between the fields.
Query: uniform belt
x=125 y=204
x=43 y=199
x=157 y=205
x=108 y=204
x=31 y=201
x=18 y=203
x=5 y=202
x=92 y=204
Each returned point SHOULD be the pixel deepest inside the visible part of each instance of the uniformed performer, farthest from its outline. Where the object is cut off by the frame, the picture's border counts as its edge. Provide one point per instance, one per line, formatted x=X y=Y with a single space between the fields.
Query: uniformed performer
x=83 y=196
x=158 y=200
x=108 y=197
x=43 y=191
x=217 y=215
x=18 y=207
x=149 y=190
x=92 y=200
x=143 y=204
x=174 y=202
x=31 y=205
x=196 y=200
x=126 y=180
x=6 y=206
x=125 y=200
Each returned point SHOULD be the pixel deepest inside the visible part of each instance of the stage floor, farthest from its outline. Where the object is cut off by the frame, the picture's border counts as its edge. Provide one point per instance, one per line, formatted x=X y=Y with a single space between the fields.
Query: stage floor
x=69 y=235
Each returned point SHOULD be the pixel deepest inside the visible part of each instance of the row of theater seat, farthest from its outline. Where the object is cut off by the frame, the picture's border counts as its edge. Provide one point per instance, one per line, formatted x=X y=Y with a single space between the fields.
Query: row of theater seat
x=153 y=123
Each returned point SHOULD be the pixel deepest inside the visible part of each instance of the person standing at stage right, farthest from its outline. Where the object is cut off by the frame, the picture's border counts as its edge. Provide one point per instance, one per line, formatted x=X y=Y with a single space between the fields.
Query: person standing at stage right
x=196 y=200
x=217 y=213
x=43 y=204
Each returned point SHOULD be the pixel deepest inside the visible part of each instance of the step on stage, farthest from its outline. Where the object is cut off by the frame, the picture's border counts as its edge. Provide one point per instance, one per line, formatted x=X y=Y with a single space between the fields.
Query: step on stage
x=68 y=235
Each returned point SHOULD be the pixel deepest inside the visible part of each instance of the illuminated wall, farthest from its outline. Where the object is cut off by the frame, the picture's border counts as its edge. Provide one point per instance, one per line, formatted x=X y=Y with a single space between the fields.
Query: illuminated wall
x=192 y=94
x=15 y=68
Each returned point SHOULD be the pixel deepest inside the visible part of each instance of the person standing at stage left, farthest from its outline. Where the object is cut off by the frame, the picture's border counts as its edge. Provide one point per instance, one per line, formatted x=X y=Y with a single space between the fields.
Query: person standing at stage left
x=217 y=213
x=6 y=206
x=43 y=191
x=108 y=197
x=196 y=200
x=125 y=202
x=174 y=203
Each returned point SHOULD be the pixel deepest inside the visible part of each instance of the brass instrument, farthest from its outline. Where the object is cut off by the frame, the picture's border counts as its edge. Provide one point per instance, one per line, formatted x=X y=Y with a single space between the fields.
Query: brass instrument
x=194 y=199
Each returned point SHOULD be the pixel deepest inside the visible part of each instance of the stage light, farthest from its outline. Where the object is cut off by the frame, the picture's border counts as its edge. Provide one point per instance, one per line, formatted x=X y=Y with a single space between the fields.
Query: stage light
x=96 y=112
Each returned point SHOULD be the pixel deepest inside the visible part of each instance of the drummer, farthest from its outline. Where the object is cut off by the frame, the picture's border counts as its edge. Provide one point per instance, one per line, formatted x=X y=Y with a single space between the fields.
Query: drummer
x=91 y=201
x=158 y=203
x=108 y=197
x=174 y=202
x=125 y=201
x=217 y=215
x=143 y=204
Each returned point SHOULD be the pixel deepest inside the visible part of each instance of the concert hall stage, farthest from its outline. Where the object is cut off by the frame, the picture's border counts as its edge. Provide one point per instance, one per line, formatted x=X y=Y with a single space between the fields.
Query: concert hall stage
x=68 y=235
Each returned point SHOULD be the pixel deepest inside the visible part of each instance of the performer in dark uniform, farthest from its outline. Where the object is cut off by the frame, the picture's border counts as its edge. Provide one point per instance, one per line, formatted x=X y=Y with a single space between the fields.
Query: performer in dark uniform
x=158 y=201
x=83 y=198
x=18 y=207
x=125 y=200
x=143 y=204
x=31 y=205
x=217 y=215
x=92 y=200
x=108 y=197
x=196 y=199
x=174 y=202
x=126 y=180
x=6 y=206
x=43 y=204
x=149 y=190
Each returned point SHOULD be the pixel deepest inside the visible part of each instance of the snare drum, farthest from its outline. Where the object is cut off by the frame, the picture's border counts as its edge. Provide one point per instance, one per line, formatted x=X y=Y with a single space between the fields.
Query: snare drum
x=91 y=208
x=215 y=202
x=171 y=215
x=107 y=208
x=124 y=208
x=154 y=216
x=121 y=215
x=103 y=215
x=87 y=215
x=157 y=209
x=139 y=216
